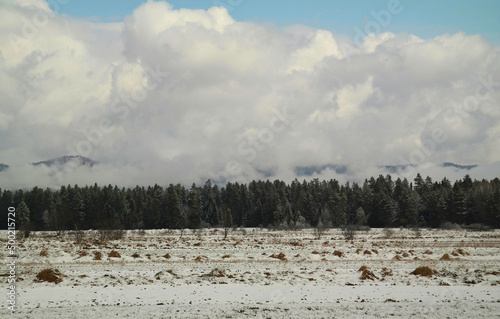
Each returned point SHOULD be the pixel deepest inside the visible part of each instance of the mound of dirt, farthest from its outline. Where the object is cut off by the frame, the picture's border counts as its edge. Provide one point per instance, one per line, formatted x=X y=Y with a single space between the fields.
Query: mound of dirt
x=114 y=254
x=424 y=271
x=446 y=257
x=50 y=275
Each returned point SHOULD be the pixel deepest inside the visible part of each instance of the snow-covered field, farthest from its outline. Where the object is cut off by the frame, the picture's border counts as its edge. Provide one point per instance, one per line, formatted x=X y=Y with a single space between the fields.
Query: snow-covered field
x=259 y=274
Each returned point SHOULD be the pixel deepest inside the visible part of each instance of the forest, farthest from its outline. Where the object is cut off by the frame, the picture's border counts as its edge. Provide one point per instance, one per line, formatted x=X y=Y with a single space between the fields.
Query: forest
x=377 y=202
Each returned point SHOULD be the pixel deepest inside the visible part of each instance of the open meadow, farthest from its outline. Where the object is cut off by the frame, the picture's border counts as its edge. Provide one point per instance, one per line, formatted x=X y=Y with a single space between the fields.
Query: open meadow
x=257 y=273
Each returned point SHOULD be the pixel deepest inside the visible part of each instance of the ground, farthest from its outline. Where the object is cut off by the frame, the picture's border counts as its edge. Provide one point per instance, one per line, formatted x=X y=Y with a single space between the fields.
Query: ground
x=258 y=273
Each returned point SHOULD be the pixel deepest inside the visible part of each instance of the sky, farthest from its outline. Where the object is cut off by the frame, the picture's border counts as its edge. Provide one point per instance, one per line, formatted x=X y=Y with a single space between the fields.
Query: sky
x=234 y=90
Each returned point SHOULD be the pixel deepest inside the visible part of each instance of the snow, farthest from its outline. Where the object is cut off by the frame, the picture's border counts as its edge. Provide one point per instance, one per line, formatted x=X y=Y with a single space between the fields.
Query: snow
x=309 y=282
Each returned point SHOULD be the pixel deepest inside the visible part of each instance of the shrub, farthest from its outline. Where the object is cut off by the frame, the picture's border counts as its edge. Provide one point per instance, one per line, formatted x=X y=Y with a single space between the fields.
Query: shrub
x=136 y=255
x=337 y=253
x=349 y=232
x=450 y=226
x=388 y=232
x=167 y=256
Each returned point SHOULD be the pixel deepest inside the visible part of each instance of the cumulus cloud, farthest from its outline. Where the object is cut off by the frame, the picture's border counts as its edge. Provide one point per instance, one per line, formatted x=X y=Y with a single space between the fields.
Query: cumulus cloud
x=184 y=95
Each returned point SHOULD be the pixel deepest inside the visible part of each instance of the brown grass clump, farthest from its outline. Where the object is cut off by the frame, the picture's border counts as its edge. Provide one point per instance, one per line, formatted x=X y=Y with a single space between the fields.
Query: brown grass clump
x=406 y=255
x=375 y=251
x=44 y=252
x=397 y=257
x=114 y=254
x=428 y=252
x=367 y=274
x=97 y=255
x=367 y=252
x=83 y=253
x=295 y=243
x=315 y=252
x=50 y=275
x=363 y=268
x=136 y=255
x=226 y=256
x=337 y=253
x=197 y=244
x=446 y=257
x=424 y=271
x=167 y=256
x=358 y=250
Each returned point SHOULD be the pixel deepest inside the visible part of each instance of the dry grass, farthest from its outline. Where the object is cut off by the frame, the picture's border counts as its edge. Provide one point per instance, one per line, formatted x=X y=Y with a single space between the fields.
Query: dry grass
x=226 y=256
x=136 y=255
x=50 y=275
x=367 y=252
x=337 y=253
x=83 y=253
x=167 y=256
x=424 y=271
x=367 y=274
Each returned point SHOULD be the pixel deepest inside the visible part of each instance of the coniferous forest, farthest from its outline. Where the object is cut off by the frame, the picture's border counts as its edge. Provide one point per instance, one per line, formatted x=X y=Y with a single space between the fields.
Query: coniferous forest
x=377 y=202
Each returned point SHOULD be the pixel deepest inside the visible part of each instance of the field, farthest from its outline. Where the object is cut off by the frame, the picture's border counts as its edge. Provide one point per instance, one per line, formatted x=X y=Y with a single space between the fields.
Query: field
x=257 y=273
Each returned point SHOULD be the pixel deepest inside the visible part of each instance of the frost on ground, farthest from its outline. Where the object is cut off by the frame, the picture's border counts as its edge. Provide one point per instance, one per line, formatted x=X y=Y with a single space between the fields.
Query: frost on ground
x=259 y=274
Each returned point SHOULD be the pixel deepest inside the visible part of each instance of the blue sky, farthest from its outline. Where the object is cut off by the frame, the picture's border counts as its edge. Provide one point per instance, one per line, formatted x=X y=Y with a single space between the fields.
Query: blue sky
x=425 y=18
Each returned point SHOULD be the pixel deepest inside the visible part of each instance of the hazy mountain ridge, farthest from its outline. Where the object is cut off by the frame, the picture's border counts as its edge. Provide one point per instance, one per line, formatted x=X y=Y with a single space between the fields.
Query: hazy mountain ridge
x=74 y=160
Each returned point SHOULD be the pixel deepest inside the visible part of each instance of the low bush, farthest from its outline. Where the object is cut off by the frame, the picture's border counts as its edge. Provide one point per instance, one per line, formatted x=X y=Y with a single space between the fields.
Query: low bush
x=50 y=275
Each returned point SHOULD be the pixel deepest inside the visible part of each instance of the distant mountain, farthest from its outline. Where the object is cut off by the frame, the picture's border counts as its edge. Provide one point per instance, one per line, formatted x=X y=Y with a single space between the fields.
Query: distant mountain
x=467 y=167
x=316 y=169
x=73 y=160
x=3 y=167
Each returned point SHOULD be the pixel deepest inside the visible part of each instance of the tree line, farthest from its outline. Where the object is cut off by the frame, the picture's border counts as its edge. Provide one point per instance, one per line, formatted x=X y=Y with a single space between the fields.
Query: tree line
x=378 y=202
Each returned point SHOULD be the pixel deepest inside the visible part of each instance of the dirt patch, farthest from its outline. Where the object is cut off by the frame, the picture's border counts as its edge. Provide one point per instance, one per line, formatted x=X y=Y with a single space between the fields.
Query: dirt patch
x=424 y=271
x=50 y=275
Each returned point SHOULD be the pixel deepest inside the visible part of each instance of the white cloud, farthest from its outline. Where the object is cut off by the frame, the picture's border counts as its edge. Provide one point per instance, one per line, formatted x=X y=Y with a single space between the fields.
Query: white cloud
x=235 y=100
